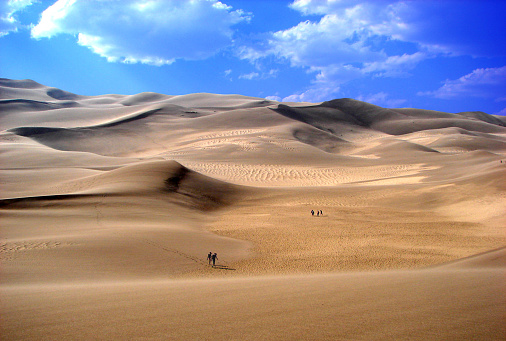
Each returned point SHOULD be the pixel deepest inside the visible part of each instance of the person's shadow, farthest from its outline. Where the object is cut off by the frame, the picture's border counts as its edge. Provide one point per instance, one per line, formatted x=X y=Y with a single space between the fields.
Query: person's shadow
x=223 y=267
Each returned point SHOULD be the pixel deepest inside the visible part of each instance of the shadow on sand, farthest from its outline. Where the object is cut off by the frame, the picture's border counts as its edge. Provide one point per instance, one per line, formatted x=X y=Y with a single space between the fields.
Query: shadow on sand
x=222 y=267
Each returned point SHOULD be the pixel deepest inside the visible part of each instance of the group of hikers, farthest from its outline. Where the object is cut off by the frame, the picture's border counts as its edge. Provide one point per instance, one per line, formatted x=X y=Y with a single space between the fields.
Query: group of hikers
x=212 y=257
x=318 y=213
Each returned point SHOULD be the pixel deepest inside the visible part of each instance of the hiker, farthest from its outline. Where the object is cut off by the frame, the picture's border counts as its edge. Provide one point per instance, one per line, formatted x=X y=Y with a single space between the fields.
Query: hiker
x=209 y=256
x=214 y=257
x=317 y=213
x=312 y=212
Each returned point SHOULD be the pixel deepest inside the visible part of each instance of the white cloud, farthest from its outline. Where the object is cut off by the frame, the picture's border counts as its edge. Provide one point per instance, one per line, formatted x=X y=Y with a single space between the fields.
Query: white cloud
x=323 y=43
x=153 y=32
x=264 y=75
x=335 y=74
x=450 y=27
x=437 y=26
x=395 y=66
x=273 y=98
x=381 y=99
x=355 y=39
x=250 y=76
x=484 y=83
x=8 y=11
x=314 y=94
x=308 y=7
x=339 y=47
x=340 y=37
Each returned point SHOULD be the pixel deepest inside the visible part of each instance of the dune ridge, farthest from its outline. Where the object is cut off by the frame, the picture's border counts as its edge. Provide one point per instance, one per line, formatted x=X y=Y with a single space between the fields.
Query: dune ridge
x=112 y=203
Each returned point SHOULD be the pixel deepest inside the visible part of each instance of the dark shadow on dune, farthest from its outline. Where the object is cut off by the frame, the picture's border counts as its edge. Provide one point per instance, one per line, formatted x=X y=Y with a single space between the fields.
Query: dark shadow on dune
x=330 y=117
x=175 y=180
x=62 y=95
x=15 y=105
x=133 y=118
x=20 y=84
x=47 y=201
x=320 y=139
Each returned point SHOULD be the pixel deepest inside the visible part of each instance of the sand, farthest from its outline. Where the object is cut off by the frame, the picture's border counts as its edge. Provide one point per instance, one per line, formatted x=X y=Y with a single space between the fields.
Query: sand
x=110 y=204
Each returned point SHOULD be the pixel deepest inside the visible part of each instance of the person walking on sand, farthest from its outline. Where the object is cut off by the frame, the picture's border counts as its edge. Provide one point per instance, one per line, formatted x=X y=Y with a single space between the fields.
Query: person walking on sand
x=214 y=257
x=312 y=212
x=209 y=256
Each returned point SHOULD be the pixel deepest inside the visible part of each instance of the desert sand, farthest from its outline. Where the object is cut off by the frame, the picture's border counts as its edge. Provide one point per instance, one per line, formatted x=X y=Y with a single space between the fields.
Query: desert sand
x=109 y=205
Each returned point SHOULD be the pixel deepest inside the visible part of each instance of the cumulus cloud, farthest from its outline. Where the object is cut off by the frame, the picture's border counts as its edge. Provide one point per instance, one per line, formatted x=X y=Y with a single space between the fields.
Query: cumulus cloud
x=341 y=46
x=263 y=75
x=439 y=26
x=273 y=98
x=484 y=83
x=382 y=99
x=345 y=35
x=394 y=66
x=250 y=76
x=356 y=39
x=323 y=43
x=314 y=94
x=153 y=32
x=435 y=25
x=8 y=11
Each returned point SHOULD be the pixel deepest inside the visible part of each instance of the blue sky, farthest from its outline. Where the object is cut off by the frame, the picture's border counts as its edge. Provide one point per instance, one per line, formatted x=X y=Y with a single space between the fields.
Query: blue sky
x=439 y=55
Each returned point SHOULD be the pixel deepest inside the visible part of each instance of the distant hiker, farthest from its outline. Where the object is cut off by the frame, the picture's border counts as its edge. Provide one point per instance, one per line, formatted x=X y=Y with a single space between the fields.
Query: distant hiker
x=321 y=212
x=317 y=213
x=214 y=257
x=209 y=256
x=312 y=212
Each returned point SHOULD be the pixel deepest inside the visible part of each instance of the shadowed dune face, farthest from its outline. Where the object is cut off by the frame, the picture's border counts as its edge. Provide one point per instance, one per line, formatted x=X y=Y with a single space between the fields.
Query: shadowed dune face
x=135 y=220
x=113 y=203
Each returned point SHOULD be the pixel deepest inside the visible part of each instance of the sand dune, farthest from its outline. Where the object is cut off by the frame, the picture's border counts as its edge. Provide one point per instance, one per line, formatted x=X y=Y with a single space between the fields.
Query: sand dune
x=110 y=204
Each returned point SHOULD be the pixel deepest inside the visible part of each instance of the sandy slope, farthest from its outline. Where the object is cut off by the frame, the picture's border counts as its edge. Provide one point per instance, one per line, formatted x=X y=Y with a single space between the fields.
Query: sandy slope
x=437 y=304
x=109 y=205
